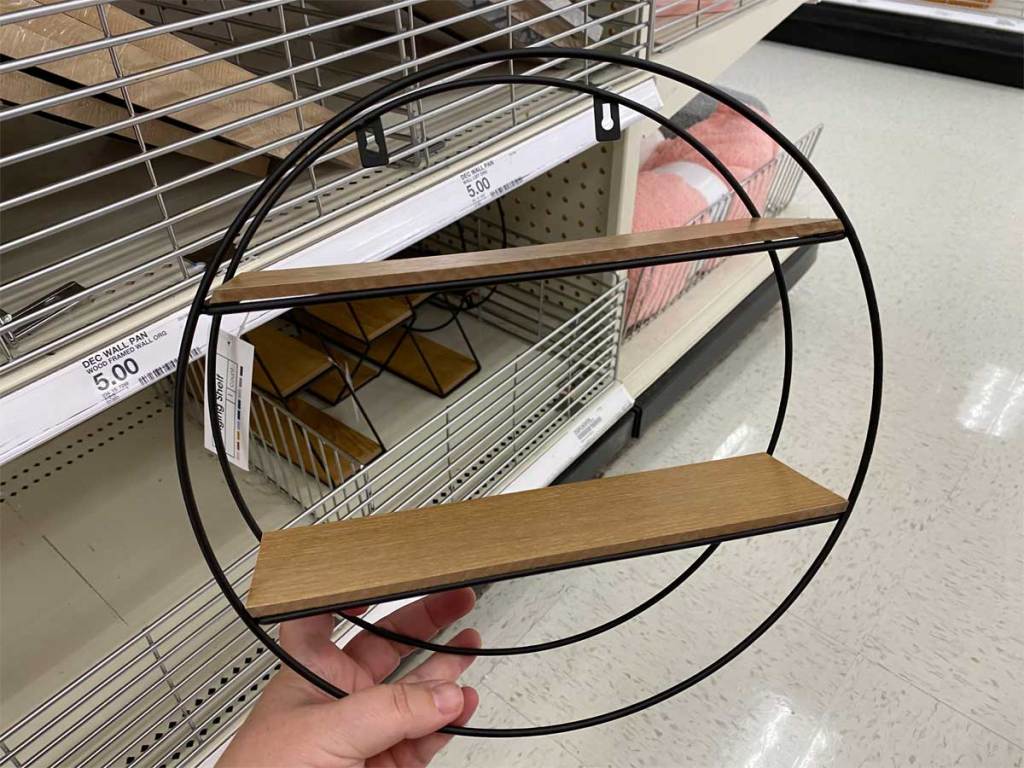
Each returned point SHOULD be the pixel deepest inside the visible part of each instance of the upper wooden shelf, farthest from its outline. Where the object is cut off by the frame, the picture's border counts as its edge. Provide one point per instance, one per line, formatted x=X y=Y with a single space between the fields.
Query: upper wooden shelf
x=333 y=565
x=592 y=255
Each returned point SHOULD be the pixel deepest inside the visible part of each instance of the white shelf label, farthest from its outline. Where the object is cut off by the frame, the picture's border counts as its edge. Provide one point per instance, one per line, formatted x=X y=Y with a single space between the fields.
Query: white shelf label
x=489 y=180
x=132 y=363
x=233 y=381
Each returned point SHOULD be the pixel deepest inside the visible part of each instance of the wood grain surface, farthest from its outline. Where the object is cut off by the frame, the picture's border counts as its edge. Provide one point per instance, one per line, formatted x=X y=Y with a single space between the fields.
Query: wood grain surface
x=323 y=566
x=331 y=386
x=357 y=445
x=278 y=283
x=366 y=319
x=449 y=366
x=291 y=365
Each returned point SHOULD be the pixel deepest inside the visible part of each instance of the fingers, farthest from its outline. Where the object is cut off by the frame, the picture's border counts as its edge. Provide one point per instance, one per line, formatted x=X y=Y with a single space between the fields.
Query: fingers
x=442 y=666
x=300 y=636
x=422 y=619
x=419 y=752
x=376 y=719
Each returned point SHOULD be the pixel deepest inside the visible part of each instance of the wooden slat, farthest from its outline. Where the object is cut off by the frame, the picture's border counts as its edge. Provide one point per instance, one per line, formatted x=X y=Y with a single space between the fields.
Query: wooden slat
x=449 y=367
x=83 y=25
x=19 y=88
x=365 y=319
x=501 y=262
x=290 y=363
x=333 y=564
x=331 y=386
x=353 y=442
x=275 y=431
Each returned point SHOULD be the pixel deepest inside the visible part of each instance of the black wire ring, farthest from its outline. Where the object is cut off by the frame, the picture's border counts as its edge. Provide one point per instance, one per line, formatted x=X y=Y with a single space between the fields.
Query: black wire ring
x=324 y=132
x=740 y=191
x=719 y=166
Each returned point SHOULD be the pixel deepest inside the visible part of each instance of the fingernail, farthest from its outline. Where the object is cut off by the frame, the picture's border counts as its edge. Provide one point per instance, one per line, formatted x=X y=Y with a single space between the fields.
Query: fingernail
x=447 y=698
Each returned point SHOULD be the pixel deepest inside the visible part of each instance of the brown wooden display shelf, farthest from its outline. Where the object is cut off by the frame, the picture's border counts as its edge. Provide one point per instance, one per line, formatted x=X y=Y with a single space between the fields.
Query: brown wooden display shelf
x=357 y=445
x=284 y=365
x=414 y=357
x=366 y=319
x=331 y=386
x=591 y=255
x=324 y=567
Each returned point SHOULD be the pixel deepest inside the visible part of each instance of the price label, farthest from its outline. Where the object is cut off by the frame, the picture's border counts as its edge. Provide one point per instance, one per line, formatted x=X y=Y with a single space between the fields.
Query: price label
x=134 y=362
x=489 y=180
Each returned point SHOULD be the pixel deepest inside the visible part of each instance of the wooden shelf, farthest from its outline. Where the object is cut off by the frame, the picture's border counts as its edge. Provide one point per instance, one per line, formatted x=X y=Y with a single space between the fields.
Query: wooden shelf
x=367 y=319
x=331 y=386
x=357 y=445
x=327 y=566
x=449 y=367
x=590 y=255
x=290 y=364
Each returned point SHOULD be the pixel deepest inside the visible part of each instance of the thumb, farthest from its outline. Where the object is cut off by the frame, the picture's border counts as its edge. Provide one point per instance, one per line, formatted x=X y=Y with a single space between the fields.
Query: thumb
x=375 y=719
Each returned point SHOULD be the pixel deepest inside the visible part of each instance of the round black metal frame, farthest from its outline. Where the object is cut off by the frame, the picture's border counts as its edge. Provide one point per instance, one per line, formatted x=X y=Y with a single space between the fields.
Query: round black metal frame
x=357 y=117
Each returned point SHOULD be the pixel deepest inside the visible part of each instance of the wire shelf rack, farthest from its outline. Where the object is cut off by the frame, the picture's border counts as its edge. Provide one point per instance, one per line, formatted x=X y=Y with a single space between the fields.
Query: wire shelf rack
x=174 y=687
x=134 y=130
x=653 y=290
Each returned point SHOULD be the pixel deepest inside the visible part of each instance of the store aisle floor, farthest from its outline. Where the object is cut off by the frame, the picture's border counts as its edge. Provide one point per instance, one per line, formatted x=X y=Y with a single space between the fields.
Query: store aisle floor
x=908 y=649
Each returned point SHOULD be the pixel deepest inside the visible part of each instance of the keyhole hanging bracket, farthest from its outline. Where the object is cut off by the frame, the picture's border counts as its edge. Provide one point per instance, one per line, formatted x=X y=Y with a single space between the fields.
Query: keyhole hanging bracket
x=372 y=154
x=606 y=120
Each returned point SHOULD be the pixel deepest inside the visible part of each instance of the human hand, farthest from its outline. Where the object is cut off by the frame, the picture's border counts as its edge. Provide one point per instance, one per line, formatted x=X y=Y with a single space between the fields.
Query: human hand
x=297 y=725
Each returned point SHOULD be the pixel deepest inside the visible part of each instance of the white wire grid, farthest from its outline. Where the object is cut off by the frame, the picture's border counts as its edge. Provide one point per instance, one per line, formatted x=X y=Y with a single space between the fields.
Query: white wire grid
x=164 y=694
x=654 y=289
x=106 y=197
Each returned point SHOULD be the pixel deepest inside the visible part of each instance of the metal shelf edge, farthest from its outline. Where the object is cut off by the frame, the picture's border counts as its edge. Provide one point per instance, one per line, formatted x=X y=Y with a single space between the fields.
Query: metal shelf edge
x=45 y=407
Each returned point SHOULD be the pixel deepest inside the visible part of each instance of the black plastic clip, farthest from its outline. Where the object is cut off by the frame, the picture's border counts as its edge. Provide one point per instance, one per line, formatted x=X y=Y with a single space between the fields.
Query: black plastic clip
x=377 y=155
x=606 y=120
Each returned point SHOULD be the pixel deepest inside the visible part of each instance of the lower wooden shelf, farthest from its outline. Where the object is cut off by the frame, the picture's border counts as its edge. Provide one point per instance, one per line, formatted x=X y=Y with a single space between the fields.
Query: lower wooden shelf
x=421 y=360
x=357 y=445
x=333 y=565
x=283 y=364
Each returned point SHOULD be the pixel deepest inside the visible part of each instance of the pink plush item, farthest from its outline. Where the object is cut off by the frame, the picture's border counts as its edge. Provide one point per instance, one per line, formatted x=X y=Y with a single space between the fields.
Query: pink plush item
x=666 y=7
x=663 y=201
x=735 y=141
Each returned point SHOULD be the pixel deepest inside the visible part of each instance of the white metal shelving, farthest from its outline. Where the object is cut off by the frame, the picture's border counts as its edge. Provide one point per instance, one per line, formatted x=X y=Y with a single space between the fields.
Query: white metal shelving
x=194 y=664
x=545 y=394
x=46 y=406
x=1006 y=15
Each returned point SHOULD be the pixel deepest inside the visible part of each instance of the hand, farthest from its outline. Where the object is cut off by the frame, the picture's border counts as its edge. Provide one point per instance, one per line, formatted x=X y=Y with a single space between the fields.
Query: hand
x=295 y=724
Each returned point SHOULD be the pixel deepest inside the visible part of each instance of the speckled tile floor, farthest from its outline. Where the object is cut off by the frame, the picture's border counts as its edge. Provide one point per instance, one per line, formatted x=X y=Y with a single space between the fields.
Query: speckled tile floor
x=908 y=649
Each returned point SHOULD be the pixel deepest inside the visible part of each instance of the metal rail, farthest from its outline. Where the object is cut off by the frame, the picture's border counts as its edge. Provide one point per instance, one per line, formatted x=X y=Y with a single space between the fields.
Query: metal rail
x=111 y=241
x=654 y=289
x=108 y=713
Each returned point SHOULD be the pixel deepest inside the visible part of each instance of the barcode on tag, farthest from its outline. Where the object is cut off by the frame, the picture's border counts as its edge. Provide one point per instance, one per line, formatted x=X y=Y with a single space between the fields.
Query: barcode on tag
x=488 y=181
x=129 y=364
x=585 y=429
x=233 y=391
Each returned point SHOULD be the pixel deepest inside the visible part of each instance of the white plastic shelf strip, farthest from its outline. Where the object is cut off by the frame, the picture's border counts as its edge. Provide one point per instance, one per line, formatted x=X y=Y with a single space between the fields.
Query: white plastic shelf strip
x=68 y=396
x=1001 y=14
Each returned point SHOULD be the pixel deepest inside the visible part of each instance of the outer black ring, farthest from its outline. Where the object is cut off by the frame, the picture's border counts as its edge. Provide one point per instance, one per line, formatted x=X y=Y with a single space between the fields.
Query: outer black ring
x=367 y=102
x=787 y=325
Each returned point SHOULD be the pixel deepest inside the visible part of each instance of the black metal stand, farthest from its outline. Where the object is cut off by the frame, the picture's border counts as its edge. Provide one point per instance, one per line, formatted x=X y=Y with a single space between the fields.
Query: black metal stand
x=365 y=114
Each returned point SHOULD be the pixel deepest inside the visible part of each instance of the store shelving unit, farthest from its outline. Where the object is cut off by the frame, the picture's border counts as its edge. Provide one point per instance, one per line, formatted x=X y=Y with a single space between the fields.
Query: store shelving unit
x=162 y=674
x=978 y=39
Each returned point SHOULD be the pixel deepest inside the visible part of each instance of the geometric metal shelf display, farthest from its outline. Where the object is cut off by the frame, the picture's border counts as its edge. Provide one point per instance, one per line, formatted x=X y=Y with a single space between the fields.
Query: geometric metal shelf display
x=323 y=568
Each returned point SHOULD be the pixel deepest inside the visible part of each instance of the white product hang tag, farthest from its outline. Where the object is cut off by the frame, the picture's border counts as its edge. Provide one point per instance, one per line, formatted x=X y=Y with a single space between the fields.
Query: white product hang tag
x=233 y=392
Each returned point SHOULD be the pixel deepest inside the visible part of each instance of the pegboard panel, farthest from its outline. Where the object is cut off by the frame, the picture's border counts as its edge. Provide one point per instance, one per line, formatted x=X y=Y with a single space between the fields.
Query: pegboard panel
x=569 y=202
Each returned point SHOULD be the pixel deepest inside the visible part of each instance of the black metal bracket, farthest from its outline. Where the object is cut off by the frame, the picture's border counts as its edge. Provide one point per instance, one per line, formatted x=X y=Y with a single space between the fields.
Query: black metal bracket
x=377 y=155
x=607 y=126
